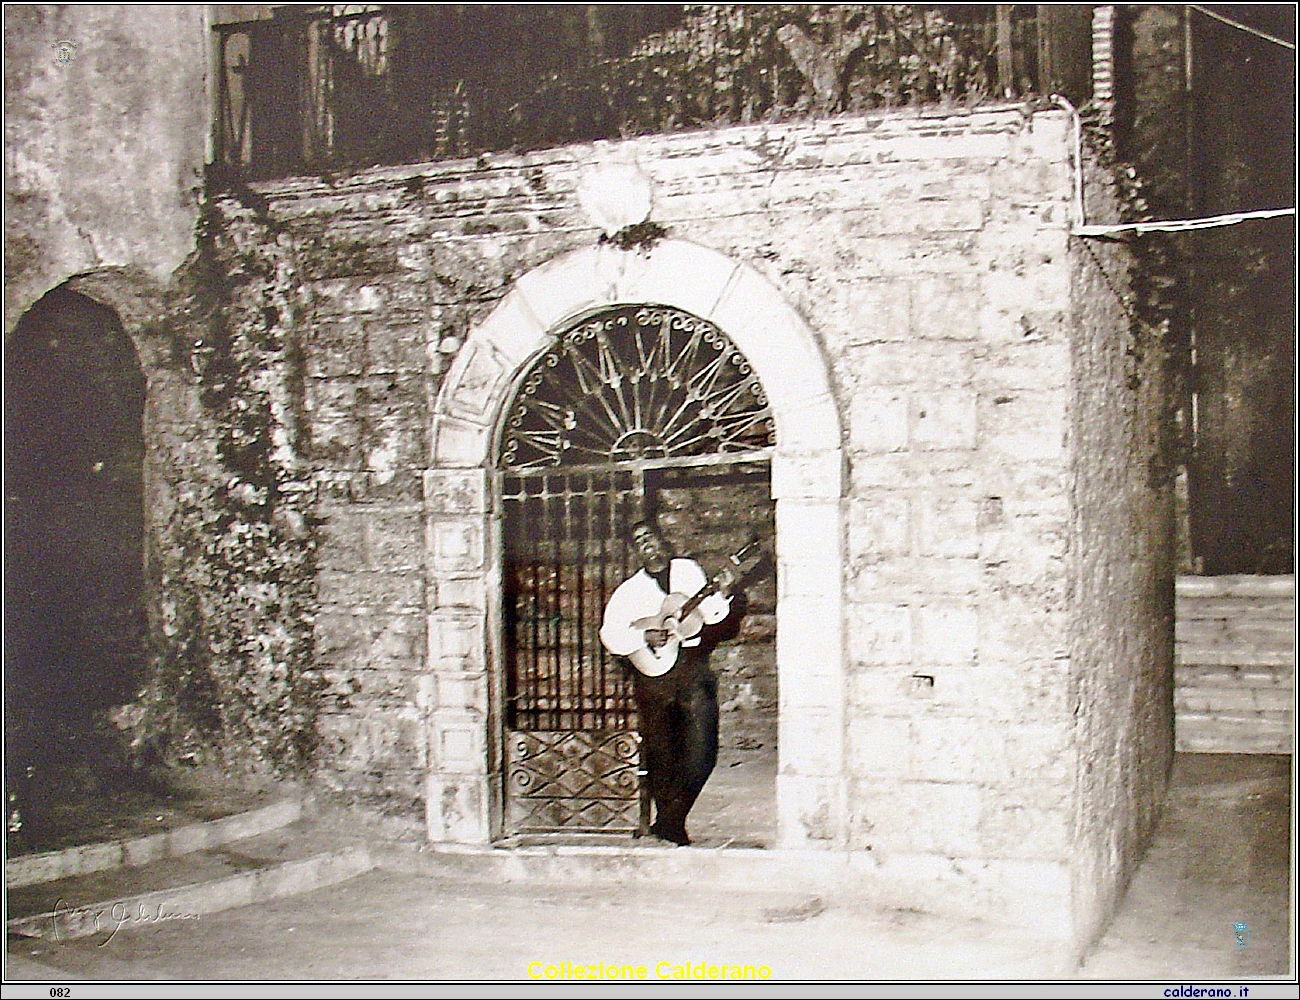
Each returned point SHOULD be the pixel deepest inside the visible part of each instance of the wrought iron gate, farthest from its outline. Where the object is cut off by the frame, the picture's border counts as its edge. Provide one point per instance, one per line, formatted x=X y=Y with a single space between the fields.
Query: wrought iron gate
x=571 y=744
x=618 y=395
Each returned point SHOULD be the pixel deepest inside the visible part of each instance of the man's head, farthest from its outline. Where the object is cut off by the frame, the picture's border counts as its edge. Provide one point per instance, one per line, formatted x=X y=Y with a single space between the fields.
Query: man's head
x=650 y=546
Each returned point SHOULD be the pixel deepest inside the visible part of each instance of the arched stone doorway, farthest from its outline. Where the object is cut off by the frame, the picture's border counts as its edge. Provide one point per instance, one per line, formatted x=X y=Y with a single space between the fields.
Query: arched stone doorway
x=466 y=770
x=634 y=411
x=74 y=553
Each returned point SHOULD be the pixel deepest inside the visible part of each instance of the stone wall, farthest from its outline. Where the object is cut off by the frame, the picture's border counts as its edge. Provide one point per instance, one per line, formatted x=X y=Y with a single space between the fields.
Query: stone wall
x=1120 y=587
x=978 y=366
x=104 y=141
x=1235 y=674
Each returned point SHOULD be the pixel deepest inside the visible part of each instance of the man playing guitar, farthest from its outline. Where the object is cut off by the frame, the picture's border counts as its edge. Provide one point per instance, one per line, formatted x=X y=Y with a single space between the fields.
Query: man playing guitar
x=662 y=620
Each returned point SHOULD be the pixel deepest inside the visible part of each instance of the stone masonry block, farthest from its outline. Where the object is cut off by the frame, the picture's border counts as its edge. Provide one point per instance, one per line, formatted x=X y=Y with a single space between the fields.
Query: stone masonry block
x=942 y=817
x=456 y=808
x=913 y=816
x=881 y=690
x=1025 y=426
x=812 y=812
x=1010 y=291
x=921 y=470
x=943 y=421
x=879 y=746
x=880 y=527
x=917 y=578
x=389 y=689
x=1001 y=326
x=395 y=348
x=878 y=815
x=476 y=378
x=946 y=525
x=953 y=748
x=776 y=342
x=807 y=577
x=394 y=412
x=946 y=307
x=809 y=638
x=370 y=589
x=946 y=634
x=342 y=541
x=456 y=643
x=395 y=539
x=974 y=146
x=807 y=477
x=1009 y=829
x=461 y=592
x=1038 y=365
x=1018 y=630
x=1028 y=551
x=878 y=421
x=1041 y=757
x=804 y=424
x=460 y=692
x=879 y=311
x=880 y=633
x=812 y=741
x=691 y=278
x=806 y=687
x=458 y=443
x=337 y=348
x=1028 y=692
x=460 y=742
x=512 y=330
x=924 y=363
x=808 y=534
x=456 y=544
x=930 y=217
x=456 y=491
x=389 y=640
x=335 y=421
x=565 y=287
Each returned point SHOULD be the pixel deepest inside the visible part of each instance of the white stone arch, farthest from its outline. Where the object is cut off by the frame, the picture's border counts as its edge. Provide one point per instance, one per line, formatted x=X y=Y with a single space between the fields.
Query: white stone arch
x=807 y=485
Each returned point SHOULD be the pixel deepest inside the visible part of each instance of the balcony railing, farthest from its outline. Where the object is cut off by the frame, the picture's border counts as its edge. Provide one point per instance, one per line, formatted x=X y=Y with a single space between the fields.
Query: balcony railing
x=324 y=89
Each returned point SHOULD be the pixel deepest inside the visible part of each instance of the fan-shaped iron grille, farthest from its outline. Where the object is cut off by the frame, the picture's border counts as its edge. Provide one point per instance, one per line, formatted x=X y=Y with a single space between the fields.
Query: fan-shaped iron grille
x=633 y=383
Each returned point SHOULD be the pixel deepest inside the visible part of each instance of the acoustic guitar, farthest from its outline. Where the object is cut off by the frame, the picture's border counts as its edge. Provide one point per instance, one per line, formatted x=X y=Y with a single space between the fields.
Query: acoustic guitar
x=679 y=618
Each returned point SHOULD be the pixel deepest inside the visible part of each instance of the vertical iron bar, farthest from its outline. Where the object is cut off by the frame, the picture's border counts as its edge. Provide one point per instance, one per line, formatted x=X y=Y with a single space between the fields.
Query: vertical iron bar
x=223 y=100
x=534 y=605
x=1005 y=55
x=553 y=607
x=580 y=579
x=564 y=576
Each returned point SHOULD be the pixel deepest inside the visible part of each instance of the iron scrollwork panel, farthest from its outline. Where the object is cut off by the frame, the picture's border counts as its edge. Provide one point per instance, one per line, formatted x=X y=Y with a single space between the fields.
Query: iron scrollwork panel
x=575 y=782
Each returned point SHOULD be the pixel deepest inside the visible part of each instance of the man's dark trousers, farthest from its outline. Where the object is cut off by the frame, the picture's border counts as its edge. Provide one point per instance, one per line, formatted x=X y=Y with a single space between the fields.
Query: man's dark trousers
x=679 y=737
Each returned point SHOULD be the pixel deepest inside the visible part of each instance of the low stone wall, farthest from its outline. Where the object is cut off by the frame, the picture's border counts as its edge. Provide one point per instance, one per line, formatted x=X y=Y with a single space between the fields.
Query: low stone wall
x=1234 y=681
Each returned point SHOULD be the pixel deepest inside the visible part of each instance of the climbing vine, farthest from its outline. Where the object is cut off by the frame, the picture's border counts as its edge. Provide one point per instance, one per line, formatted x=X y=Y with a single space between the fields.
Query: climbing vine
x=233 y=669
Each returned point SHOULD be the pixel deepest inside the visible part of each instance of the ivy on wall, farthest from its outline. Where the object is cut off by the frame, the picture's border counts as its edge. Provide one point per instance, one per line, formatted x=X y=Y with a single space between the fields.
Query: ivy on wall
x=233 y=676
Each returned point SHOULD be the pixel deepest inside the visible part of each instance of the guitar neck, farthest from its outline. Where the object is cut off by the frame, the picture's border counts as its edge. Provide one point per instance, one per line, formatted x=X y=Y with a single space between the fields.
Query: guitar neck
x=709 y=588
x=712 y=586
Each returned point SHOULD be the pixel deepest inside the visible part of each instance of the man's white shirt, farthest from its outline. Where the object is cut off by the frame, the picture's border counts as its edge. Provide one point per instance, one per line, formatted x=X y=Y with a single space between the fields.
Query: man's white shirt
x=639 y=596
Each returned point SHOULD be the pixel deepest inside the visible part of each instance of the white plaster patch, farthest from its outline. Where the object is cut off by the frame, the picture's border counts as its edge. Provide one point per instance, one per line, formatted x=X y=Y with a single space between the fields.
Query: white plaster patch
x=615 y=195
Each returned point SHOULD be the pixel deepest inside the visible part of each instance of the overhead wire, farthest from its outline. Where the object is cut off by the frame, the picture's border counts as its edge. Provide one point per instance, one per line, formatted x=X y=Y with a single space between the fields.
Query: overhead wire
x=1244 y=27
x=1182 y=225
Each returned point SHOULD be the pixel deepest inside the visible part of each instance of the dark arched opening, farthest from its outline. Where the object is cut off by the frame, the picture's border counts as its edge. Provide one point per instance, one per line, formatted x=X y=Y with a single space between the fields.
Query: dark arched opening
x=74 y=529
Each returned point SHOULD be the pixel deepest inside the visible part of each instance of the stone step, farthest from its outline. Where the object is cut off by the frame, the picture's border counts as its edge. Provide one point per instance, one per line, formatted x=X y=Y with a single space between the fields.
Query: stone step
x=1004 y=892
x=30 y=869
x=282 y=862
